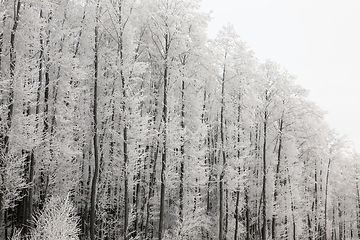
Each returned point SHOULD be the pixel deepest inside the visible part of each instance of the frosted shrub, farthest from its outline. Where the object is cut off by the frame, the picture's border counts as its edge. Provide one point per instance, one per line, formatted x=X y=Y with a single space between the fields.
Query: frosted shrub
x=56 y=222
x=17 y=235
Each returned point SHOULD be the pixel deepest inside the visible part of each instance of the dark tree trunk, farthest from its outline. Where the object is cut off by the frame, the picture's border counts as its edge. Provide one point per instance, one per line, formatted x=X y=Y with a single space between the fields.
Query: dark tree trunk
x=10 y=108
x=277 y=180
x=292 y=208
x=326 y=197
x=44 y=175
x=125 y=155
x=223 y=155
x=37 y=111
x=164 y=136
x=264 y=219
x=95 y=136
x=239 y=172
x=182 y=150
x=237 y=214
x=358 y=209
x=315 y=203
x=154 y=149
x=340 y=225
x=124 y=121
x=247 y=214
x=17 y=5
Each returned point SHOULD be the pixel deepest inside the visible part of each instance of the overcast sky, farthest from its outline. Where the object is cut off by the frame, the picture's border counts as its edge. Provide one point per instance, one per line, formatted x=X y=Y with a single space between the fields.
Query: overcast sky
x=316 y=40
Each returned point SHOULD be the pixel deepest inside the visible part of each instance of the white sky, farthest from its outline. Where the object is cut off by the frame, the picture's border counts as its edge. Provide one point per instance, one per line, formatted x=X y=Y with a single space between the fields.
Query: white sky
x=316 y=40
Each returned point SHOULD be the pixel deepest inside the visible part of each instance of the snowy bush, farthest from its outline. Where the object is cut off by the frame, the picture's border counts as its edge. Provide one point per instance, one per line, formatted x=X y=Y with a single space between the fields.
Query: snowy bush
x=56 y=222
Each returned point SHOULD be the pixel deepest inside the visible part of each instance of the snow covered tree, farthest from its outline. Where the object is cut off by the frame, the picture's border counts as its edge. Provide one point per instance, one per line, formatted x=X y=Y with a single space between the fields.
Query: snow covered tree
x=57 y=220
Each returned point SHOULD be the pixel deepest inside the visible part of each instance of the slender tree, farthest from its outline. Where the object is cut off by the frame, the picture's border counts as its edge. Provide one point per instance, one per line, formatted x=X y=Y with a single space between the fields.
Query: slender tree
x=95 y=127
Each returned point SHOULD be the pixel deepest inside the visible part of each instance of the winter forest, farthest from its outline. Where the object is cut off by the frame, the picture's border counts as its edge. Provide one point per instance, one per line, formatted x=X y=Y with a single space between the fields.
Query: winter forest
x=120 y=119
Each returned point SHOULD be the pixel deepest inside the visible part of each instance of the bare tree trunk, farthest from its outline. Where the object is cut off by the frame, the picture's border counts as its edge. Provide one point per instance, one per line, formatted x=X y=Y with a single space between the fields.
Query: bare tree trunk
x=124 y=121
x=151 y=193
x=29 y=198
x=95 y=137
x=315 y=204
x=164 y=136
x=247 y=214
x=44 y=175
x=223 y=154
x=181 y=190
x=126 y=190
x=292 y=208
x=344 y=220
x=340 y=226
x=277 y=181
x=125 y=142
x=125 y=155
x=358 y=209
x=41 y=61
x=138 y=194
x=1 y=90
x=264 y=219
x=134 y=225
x=208 y=160
x=182 y=150
x=17 y=5
x=237 y=214
x=154 y=149
x=239 y=172
x=326 y=196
